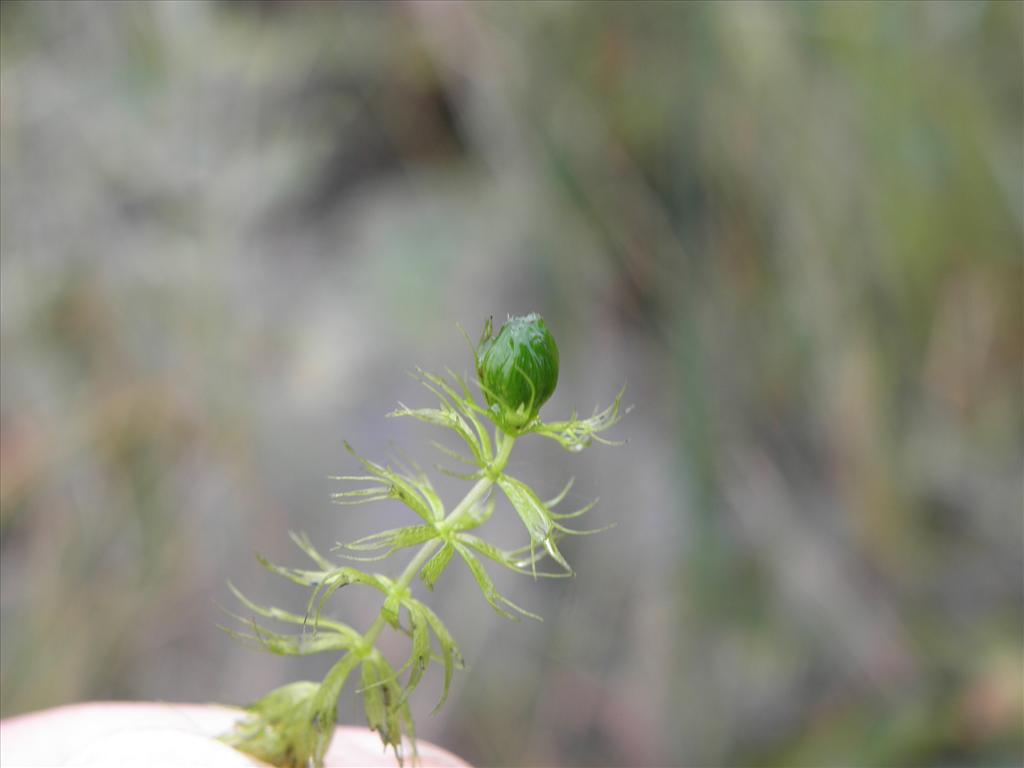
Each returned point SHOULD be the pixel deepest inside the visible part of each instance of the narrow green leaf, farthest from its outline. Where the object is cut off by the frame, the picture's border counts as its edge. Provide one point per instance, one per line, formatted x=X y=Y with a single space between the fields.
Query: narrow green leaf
x=385 y=707
x=470 y=408
x=483 y=580
x=561 y=495
x=340 y=575
x=335 y=580
x=298 y=576
x=569 y=515
x=439 y=417
x=535 y=516
x=576 y=434
x=362 y=495
x=465 y=403
x=467 y=476
x=400 y=487
x=583 y=532
x=426 y=489
x=350 y=636
x=435 y=566
x=450 y=654
x=305 y=644
x=396 y=538
x=527 y=557
x=453 y=454
x=530 y=509
x=265 y=611
x=374 y=704
x=421 y=645
x=415 y=475
x=503 y=558
x=446 y=416
x=556 y=555
x=303 y=542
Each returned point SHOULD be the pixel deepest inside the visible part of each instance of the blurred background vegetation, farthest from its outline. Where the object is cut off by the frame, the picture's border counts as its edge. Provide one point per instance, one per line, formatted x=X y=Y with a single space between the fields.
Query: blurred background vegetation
x=229 y=229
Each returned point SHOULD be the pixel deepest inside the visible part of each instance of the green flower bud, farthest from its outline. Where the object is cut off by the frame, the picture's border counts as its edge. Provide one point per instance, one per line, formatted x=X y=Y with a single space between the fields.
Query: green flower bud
x=518 y=368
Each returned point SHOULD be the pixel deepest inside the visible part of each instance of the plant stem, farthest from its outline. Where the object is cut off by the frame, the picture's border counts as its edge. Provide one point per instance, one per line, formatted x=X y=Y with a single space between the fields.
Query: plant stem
x=504 y=443
x=331 y=686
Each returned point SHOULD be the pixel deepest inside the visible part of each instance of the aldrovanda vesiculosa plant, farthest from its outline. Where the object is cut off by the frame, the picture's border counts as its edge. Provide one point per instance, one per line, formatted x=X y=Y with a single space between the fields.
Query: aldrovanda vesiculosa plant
x=517 y=372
